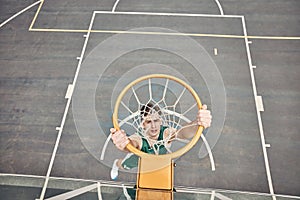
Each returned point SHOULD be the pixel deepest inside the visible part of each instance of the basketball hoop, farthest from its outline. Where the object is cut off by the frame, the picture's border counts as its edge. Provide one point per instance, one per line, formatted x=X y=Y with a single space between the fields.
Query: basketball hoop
x=173 y=97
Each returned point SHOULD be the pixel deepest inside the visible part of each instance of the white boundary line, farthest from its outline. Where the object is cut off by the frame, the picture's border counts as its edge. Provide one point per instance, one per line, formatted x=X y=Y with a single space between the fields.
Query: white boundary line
x=99 y=191
x=19 y=13
x=261 y=131
x=168 y=14
x=66 y=110
x=210 y=155
x=121 y=184
x=221 y=196
x=220 y=7
x=74 y=193
x=212 y=197
x=115 y=6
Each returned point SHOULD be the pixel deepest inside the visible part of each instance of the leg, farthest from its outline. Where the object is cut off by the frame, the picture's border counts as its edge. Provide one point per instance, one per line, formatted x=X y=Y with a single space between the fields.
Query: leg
x=129 y=162
x=115 y=168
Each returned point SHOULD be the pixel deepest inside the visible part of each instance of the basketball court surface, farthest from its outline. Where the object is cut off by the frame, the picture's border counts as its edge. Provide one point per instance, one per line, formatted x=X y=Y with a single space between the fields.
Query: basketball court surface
x=63 y=64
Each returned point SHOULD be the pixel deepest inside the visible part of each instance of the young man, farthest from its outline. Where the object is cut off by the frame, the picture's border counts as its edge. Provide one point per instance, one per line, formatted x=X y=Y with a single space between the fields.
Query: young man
x=156 y=138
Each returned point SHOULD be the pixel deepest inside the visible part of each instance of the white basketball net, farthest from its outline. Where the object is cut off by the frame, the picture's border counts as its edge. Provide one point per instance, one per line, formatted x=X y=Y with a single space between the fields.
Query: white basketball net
x=176 y=104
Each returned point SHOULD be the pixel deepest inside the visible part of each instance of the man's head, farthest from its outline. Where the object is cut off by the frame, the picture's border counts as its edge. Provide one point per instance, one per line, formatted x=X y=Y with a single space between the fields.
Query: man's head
x=151 y=120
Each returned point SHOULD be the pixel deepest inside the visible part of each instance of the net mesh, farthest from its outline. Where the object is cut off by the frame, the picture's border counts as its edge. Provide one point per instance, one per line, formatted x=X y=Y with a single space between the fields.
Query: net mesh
x=171 y=100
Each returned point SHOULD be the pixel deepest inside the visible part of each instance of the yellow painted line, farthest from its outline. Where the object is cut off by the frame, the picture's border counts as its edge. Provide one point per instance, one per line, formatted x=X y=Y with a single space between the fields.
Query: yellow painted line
x=36 y=14
x=19 y=13
x=153 y=33
x=169 y=34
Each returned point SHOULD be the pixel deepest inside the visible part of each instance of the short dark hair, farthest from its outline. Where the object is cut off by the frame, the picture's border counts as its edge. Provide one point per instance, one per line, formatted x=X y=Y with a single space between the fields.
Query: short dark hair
x=147 y=109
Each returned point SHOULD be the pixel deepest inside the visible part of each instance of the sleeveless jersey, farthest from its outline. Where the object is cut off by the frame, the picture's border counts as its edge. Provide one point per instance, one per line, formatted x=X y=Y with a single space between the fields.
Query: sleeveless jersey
x=131 y=160
x=160 y=147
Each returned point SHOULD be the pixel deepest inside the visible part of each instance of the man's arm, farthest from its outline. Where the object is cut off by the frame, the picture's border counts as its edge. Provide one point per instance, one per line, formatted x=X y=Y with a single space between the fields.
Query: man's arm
x=204 y=119
x=121 y=140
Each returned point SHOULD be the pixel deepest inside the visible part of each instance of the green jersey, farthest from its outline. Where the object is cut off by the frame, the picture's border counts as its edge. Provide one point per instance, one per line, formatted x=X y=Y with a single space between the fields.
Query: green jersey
x=131 y=160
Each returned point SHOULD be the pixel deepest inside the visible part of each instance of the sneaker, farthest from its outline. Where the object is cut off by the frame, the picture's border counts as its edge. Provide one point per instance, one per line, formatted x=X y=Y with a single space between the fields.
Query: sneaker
x=114 y=171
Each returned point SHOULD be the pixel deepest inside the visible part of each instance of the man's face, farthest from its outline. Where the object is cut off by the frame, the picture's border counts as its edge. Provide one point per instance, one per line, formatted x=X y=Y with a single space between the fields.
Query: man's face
x=151 y=124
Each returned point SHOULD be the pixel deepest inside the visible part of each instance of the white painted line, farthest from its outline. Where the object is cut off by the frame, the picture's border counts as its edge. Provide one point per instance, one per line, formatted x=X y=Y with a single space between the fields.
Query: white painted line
x=73 y=193
x=69 y=91
x=57 y=128
x=168 y=14
x=119 y=185
x=105 y=147
x=66 y=112
x=220 y=7
x=215 y=51
x=192 y=191
x=212 y=197
x=78 y=58
x=211 y=158
x=253 y=66
x=249 y=42
x=268 y=145
x=115 y=5
x=23 y=175
x=19 y=13
x=259 y=103
x=222 y=197
x=261 y=131
x=84 y=35
x=99 y=191
x=248 y=54
x=126 y=193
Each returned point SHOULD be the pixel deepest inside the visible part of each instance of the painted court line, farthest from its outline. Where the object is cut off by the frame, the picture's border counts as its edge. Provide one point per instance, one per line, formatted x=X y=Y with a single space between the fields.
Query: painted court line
x=215 y=51
x=19 y=13
x=99 y=191
x=69 y=91
x=74 y=193
x=105 y=183
x=262 y=136
x=210 y=155
x=65 y=114
x=36 y=14
x=168 y=14
x=259 y=103
x=115 y=6
x=222 y=197
x=220 y=7
x=212 y=197
x=160 y=14
x=169 y=34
